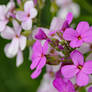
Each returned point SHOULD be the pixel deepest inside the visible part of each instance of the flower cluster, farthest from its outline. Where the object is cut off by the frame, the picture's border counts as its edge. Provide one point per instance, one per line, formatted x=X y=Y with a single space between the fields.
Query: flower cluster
x=56 y=46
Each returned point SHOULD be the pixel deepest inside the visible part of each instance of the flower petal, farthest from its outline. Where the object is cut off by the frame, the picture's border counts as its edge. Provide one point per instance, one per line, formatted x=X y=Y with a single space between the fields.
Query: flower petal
x=6 y=51
x=59 y=84
x=35 y=62
x=82 y=27
x=3 y=11
x=22 y=42
x=90 y=89
x=37 y=47
x=69 y=71
x=56 y=24
x=3 y=25
x=27 y=25
x=28 y=5
x=21 y=16
x=69 y=17
x=19 y=60
x=82 y=79
x=87 y=37
x=35 y=74
x=70 y=34
x=8 y=33
x=45 y=47
x=33 y=13
x=76 y=43
x=13 y=49
x=41 y=63
x=87 y=68
x=17 y=27
x=77 y=57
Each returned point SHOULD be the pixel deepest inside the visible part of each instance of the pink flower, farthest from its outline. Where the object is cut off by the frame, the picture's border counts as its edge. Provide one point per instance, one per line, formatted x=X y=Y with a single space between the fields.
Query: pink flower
x=38 y=57
x=27 y=15
x=5 y=12
x=18 y=43
x=79 y=68
x=90 y=89
x=77 y=37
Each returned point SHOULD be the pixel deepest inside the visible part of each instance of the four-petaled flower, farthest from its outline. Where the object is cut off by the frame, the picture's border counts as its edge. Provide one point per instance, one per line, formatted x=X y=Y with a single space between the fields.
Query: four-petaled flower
x=27 y=15
x=80 y=35
x=80 y=69
x=38 y=57
x=18 y=43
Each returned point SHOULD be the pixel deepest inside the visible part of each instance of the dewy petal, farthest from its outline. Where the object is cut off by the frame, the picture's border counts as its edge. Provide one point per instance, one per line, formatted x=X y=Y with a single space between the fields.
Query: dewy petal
x=6 y=51
x=33 y=13
x=22 y=42
x=70 y=34
x=82 y=79
x=87 y=37
x=69 y=17
x=8 y=33
x=45 y=47
x=42 y=63
x=77 y=57
x=17 y=27
x=19 y=60
x=27 y=25
x=76 y=43
x=14 y=47
x=69 y=71
x=87 y=68
x=35 y=62
x=28 y=5
x=82 y=27
x=35 y=74
x=21 y=16
x=3 y=25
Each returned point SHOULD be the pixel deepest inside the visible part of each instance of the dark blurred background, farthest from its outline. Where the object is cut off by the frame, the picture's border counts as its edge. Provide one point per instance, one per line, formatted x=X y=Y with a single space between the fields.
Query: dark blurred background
x=13 y=79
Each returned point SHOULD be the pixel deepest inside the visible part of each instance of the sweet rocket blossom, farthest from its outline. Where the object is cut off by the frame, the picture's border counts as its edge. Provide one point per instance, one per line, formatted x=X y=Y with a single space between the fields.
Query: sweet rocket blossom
x=5 y=13
x=38 y=58
x=81 y=35
x=27 y=15
x=18 y=43
x=79 y=68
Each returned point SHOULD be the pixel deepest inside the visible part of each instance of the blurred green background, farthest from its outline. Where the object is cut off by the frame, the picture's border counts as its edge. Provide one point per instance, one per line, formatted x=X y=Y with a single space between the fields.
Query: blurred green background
x=13 y=79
